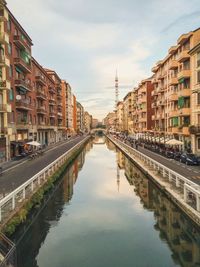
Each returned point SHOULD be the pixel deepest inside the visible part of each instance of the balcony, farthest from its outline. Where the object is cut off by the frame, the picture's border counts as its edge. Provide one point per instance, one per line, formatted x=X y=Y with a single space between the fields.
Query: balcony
x=52 y=114
x=3 y=131
x=52 y=90
x=5 y=108
x=173 y=49
x=60 y=115
x=194 y=129
x=153 y=105
x=59 y=104
x=20 y=42
x=184 y=112
x=4 y=38
x=173 y=65
x=185 y=130
x=154 y=80
x=173 y=81
x=173 y=97
x=154 y=92
x=183 y=38
x=23 y=125
x=184 y=92
x=4 y=85
x=41 y=110
x=23 y=84
x=183 y=56
x=161 y=102
x=23 y=105
x=161 y=116
x=173 y=113
x=41 y=95
x=184 y=74
x=3 y=16
x=52 y=101
x=40 y=80
x=4 y=61
x=175 y=130
x=20 y=63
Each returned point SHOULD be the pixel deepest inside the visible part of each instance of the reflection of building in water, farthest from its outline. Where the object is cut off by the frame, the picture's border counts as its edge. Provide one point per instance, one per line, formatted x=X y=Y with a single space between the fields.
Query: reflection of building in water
x=110 y=145
x=181 y=235
x=88 y=147
x=120 y=159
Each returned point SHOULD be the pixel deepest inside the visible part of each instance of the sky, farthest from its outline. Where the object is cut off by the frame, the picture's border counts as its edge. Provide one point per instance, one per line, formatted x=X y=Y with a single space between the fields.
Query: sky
x=85 y=41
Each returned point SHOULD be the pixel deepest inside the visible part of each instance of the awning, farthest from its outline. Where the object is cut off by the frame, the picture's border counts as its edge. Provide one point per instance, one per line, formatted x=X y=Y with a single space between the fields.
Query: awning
x=181 y=80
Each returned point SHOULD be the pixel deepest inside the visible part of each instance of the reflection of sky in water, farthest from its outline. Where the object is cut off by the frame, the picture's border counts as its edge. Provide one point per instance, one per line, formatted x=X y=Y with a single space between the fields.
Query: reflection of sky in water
x=103 y=226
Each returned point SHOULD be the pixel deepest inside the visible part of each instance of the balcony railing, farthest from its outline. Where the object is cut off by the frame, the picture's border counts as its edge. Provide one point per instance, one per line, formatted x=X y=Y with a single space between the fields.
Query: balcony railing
x=23 y=104
x=19 y=62
x=25 y=84
x=41 y=95
x=41 y=110
x=5 y=85
x=20 y=42
x=39 y=79
x=194 y=129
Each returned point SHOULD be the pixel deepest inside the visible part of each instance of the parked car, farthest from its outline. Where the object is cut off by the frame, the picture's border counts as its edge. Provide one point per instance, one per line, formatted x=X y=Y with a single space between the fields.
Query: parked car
x=189 y=158
x=169 y=154
x=177 y=156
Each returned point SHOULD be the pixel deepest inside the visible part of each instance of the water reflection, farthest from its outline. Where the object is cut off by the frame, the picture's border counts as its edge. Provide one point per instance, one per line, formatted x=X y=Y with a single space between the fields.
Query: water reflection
x=116 y=216
x=181 y=235
x=38 y=225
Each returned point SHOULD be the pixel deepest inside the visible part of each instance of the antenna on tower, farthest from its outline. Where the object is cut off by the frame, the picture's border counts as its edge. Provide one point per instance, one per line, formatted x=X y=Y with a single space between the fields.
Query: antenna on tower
x=116 y=90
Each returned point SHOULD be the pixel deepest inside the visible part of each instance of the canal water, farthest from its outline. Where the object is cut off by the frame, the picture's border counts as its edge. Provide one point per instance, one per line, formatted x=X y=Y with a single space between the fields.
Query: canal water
x=106 y=213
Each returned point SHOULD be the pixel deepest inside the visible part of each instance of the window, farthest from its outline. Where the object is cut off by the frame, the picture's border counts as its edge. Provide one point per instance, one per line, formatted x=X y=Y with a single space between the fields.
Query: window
x=11 y=117
x=10 y=71
x=11 y=94
x=198 y=99
x=198 y=76
x=198 y=143
x=10 y=49
x=9 y=25
x=198 y=59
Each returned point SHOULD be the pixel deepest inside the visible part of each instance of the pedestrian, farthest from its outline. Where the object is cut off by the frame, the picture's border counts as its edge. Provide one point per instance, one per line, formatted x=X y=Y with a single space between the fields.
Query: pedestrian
x=136 y=145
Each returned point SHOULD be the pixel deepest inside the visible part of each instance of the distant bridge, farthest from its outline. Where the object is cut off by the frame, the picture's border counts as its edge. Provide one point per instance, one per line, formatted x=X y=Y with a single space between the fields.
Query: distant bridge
x=98 y=130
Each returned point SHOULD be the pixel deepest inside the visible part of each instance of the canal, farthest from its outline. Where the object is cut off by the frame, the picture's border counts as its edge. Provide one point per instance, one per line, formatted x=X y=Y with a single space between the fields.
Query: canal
x=105 y=212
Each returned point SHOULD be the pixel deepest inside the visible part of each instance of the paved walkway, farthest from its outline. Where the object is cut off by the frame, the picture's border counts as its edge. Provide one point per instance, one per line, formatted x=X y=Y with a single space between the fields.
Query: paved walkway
x=19 y=174
x=190 y=172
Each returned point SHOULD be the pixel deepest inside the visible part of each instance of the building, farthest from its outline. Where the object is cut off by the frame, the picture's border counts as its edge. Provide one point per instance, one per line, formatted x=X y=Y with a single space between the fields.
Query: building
x=95 y=123
x=195 y=99
x=68 y=113
x=59 y=97
x=128 y=112
x=80 y=117
x=120 y=116
x=172 y=90
x=88 y=121
x=110 y=120
x=74 y=113
x=142 y=111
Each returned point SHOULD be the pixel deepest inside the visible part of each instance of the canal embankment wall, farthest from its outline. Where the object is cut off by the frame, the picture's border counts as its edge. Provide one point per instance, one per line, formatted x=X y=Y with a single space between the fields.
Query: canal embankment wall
x=15 y=207
x=177 y=187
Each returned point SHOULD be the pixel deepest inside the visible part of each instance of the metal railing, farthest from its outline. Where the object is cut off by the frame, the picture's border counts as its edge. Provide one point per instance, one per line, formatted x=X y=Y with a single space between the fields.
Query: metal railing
x=187 y=190
x=8 y=252
x=16 y=198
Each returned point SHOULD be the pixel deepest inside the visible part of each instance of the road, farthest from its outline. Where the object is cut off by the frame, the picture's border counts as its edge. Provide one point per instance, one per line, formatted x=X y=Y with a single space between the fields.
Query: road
x=190 y=172
x=15 y=177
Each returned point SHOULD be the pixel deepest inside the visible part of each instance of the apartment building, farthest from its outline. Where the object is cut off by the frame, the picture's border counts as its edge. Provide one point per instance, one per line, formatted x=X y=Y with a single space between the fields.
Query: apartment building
x=56 y=93
x=5 y=86
x=80 y=117
x=88 y=121
x=128 y=112
x=68 y=116
x=110 y=120
x=142 y=107
x=120 y=116
x=74 y=107
x=172 y=90
x=195 y=99
x=95 y=123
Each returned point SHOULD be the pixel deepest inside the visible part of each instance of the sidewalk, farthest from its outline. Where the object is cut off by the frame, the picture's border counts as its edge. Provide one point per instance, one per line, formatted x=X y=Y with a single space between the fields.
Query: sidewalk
x=6 y=166
x=19 y=174
x=190 y=172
